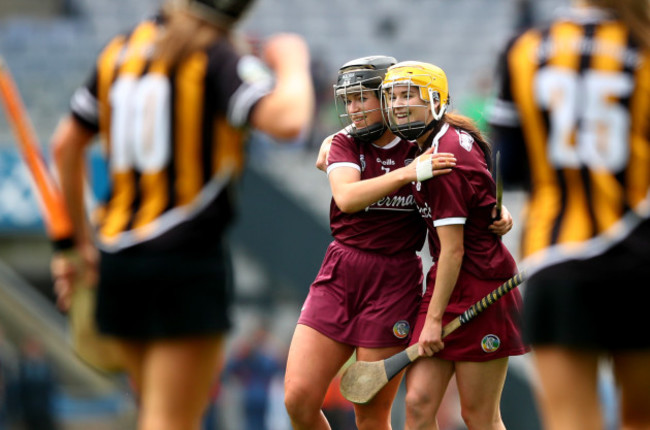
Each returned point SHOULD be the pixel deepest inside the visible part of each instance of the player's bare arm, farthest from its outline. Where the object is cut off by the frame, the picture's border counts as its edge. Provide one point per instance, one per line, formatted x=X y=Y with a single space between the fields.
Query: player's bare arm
x=352 y=194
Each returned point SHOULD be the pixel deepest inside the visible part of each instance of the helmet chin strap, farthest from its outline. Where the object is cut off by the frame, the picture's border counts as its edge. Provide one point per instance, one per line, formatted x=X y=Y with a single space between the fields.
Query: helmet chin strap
x=370 y=133
x=431 y=125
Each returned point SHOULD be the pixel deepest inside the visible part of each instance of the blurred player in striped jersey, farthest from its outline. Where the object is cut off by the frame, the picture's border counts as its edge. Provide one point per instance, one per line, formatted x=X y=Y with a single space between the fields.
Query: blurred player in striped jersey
x=171 y=100
x=572 y=122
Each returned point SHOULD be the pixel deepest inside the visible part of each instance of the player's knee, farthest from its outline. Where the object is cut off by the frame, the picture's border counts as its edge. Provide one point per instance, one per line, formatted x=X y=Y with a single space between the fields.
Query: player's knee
x=418 y=407
x=300 y=402
x=479 y=417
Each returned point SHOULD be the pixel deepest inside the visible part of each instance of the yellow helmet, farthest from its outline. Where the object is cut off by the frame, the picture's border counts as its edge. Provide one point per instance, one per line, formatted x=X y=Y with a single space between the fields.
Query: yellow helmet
x=433 y=86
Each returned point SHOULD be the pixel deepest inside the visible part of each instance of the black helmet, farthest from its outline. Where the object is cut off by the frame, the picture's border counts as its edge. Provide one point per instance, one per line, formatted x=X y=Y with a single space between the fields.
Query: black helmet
x=222 y=12
x=359 y=75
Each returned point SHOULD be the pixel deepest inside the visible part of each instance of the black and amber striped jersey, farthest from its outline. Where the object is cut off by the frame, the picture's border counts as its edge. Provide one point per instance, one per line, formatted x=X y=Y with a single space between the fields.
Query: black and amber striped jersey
x=173 y=137
x=572 y=122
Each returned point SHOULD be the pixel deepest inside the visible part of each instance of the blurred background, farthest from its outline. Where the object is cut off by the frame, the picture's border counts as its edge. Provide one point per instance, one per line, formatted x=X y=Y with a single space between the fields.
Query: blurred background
x=282 y=230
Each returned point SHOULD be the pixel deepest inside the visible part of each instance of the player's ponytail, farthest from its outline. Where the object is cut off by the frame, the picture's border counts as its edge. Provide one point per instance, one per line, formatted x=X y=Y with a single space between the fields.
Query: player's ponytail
x=466 y=124
x=635 y=14
x=183 y=34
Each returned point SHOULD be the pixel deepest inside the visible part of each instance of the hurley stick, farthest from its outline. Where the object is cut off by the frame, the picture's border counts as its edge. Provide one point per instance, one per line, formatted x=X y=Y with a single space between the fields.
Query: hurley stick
x=97 y=350
x=364 y=379
x=499 y=181
x=56 y=219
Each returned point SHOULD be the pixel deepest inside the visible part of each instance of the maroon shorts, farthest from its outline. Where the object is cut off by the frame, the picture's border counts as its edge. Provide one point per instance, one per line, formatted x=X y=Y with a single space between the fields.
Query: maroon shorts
x=363 y=298
x=492 y=334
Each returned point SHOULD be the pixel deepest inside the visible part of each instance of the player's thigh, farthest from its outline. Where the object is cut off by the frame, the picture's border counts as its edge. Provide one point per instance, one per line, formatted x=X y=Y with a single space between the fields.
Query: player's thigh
x=632 y=372
x=178 y=374
x=568 y=388
x=480 y=385
x=313 y=361
x=375 y=354
x=566 y=373
x=383 y=400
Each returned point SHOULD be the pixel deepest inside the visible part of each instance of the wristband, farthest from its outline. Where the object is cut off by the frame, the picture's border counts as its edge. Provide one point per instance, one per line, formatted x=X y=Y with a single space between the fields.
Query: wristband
x=424 y=168
x=63 y=244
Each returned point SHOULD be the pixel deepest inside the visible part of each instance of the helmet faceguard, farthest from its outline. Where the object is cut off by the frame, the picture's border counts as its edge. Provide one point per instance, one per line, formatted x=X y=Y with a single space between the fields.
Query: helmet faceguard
x=358 y=78
x=224 y=13
x=432 y=89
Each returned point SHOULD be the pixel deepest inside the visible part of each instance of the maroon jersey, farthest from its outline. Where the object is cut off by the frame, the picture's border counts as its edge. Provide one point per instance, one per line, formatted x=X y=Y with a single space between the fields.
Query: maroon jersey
x=390 y=225
x=465 y=196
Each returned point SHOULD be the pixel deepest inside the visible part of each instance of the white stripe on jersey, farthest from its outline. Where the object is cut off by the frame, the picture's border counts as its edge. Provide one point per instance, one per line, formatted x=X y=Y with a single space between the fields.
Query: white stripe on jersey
x=169 y=219
x=336 y=165
x=85 y=105
x=449 y=221
x=243 y=100
x=257 y=82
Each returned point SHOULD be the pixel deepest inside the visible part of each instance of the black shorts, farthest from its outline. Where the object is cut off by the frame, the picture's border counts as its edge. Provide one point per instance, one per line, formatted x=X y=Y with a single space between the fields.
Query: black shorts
x=145 y=295
x=596 y=304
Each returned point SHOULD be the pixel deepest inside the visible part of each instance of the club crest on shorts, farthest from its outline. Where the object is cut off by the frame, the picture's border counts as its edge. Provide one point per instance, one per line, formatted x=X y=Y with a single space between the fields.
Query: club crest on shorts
x=490 y=342
x=401 y=329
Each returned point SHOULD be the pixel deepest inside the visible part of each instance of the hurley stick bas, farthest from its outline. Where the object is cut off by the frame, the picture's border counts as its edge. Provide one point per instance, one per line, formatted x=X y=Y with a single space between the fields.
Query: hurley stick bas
x=364 y=379
x=499 y=186
x=55 y=217
x=92 y=347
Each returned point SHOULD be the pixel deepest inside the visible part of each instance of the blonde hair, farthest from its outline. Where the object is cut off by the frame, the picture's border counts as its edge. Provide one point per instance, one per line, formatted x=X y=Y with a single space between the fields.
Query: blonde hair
x=635 y=14
x=184 y=34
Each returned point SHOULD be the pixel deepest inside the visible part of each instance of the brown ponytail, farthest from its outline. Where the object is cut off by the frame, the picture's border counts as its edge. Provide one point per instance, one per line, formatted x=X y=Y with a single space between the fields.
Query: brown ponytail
x=467 y=124
x=183 y=35
x=635 y=14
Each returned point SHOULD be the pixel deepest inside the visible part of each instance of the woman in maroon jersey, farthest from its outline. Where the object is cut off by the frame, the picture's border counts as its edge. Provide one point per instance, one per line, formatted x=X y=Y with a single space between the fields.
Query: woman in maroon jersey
x=469 y=261
x=367 y=292
x=369 y=284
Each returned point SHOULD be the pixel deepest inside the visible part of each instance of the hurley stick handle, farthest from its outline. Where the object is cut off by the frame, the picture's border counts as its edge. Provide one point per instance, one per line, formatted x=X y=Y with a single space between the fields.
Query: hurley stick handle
x=399 y=361
x=364 y=379
x=488 y=300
